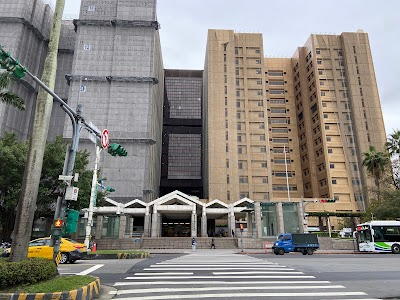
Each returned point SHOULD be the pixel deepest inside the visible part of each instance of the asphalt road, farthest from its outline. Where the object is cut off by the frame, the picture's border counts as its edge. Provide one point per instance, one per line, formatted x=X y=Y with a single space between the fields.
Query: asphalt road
x=378 y=275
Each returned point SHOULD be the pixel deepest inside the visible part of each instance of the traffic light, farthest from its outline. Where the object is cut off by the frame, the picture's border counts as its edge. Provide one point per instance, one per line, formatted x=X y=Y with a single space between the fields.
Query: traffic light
x=241 y=227
x=116 y=149
x=327 y=200
x=72 y=217
x=11 y=64
x=58 y=223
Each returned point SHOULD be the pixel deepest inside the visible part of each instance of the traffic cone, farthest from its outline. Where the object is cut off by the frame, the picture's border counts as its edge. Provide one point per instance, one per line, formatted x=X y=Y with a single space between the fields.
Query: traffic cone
x=94 y=247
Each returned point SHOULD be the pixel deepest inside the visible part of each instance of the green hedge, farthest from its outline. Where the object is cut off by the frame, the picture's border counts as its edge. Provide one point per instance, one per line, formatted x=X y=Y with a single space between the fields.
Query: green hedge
x=27 y=271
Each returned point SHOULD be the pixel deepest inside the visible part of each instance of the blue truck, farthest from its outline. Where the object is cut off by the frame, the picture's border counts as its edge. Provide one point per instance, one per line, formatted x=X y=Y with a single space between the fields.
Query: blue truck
x=306 y=243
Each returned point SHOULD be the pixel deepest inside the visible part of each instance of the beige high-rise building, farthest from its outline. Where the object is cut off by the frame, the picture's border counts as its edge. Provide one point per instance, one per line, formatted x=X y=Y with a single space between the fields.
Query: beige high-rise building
x=287 y=128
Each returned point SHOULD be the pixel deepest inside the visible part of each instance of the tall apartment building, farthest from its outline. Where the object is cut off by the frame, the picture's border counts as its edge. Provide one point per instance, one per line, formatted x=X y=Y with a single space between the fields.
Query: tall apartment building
x=25 y=28
x=282 y=128
x=339 y=116
x=182 y=131
x=117 y=77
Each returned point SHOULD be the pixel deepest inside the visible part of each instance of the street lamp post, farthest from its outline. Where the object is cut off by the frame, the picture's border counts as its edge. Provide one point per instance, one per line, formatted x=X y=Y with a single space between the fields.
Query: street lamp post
x=304 y=203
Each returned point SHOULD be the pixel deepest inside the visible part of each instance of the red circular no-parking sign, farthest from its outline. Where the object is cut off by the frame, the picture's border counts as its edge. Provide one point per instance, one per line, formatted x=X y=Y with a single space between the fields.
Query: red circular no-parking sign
x=104 y=138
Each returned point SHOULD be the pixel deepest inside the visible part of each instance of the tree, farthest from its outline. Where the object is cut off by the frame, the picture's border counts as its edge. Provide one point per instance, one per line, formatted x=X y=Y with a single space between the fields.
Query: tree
x=13 y=156
x=6 y=96
x=375 y=162
x=393 y=147
x=30 y=185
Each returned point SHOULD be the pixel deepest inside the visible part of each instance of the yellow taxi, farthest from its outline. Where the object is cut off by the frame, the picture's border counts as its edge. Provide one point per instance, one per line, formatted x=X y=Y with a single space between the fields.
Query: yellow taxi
x=70 y=250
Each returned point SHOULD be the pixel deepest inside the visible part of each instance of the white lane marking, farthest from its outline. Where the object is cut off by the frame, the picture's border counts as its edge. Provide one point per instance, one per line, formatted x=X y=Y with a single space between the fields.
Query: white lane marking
x=255 y=272
x=159 y=264
x=90 y=270
x=220 y=282
x=164 y=273
x=206 y=269
x=219 y=265
x=203 y=289
x=217 y=277
x=248 y=295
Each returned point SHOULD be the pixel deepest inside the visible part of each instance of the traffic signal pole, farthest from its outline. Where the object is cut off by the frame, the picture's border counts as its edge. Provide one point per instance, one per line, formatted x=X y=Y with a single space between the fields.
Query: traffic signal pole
x=93 y=195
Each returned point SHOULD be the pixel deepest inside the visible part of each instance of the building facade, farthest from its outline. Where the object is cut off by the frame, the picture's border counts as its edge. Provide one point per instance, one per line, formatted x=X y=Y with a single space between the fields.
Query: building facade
x=272 y=131
x=282 y=128
x=118 y=78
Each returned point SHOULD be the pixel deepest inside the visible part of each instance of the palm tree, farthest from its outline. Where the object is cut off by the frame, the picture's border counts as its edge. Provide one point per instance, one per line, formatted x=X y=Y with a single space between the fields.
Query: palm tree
x=6 y=96
x=393 y=147
x=393 y=143
x=375 y=162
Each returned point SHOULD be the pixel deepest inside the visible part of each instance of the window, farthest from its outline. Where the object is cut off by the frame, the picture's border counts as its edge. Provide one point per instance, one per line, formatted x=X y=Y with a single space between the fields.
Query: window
x=275 y=73
x=240 y=165
x=327 y=127
x=91 y=8
x=322 y=93
x=330 y=150
x=319 y=62
x=243 y=179
x=237 y=103
x=227 y=179
x=333 y=181
x=240 y=151
x=325 y=116
x=328 y=138
x=331 y=166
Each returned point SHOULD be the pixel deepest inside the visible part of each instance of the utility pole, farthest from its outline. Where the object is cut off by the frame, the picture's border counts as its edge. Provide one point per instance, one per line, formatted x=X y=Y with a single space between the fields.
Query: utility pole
x=93 y=194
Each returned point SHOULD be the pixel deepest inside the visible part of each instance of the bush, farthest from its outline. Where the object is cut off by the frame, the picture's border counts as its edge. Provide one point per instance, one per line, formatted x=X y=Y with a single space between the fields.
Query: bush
x=26 y=272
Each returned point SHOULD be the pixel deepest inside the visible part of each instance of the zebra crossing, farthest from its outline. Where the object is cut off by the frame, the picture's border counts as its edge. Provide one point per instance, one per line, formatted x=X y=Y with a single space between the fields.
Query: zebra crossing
x=213 y=275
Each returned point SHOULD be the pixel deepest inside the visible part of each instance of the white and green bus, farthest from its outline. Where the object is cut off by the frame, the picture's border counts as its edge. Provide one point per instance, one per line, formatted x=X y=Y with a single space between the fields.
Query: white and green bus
x=379 y=236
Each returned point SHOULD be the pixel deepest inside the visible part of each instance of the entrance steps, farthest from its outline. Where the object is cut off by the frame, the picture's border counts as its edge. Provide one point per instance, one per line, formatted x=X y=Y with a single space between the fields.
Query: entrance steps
x=186 y=243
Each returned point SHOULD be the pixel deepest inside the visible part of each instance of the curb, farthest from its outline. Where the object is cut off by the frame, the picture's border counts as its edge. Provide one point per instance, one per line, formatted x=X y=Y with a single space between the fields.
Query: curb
x=88 y=292
x=118 y=256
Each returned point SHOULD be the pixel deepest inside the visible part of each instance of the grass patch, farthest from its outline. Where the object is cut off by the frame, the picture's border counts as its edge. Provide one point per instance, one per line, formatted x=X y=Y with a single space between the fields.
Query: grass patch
x=56 y=284
x=114 y=252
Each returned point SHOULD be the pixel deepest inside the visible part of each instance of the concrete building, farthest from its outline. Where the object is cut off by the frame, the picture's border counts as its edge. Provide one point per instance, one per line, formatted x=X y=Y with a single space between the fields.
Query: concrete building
x=118 y=78
x=245 y=141
x=25 y=29
x=282 y=128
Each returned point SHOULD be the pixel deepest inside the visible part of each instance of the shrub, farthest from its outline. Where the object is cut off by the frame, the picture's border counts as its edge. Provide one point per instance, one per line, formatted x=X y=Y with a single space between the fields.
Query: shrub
x=27 y=271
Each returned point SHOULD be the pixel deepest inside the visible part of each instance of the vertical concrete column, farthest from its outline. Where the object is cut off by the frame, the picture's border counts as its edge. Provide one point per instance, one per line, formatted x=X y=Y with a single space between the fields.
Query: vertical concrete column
x=154 y=223
x=250 y=230
x=300 y=216
x=130 y=226
x=99 y=227
x=147 y=222
x=122 y=226
x=279 y=217
x=204 y=222
x=159 y=224
x=232 y=222
x=194 y=222
x=257 y=213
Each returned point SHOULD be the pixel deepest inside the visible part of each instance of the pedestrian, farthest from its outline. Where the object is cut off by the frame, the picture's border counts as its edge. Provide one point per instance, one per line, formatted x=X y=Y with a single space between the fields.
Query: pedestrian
x=212 y=243
x=233 y=233
x=194 y=243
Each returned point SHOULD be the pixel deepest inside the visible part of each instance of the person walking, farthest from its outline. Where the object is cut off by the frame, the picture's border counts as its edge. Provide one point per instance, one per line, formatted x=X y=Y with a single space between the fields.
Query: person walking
x=233 y=233
x=212 y=243
x=194 y=243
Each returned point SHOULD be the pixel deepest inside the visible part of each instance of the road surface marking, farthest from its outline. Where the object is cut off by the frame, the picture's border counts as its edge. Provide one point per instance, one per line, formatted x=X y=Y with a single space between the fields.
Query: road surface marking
x=217 y=277
x=90 y=270
x=203 y=289
x=219 y=282
x=166 y=273
x=248 y=295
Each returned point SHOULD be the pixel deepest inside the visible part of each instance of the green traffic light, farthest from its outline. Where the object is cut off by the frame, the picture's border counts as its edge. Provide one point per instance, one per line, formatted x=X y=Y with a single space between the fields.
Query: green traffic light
x=11 y=64
x=116 y=149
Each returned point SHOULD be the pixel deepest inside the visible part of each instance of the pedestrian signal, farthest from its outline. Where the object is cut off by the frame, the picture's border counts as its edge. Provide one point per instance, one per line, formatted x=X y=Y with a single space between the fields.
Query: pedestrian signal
x=58 y=223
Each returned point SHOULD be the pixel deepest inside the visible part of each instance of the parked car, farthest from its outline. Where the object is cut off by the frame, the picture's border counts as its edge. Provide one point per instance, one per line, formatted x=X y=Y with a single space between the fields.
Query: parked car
x=70 y=250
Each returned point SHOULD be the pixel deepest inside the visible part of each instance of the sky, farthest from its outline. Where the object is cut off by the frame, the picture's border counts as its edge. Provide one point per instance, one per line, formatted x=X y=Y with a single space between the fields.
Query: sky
x=285 y=25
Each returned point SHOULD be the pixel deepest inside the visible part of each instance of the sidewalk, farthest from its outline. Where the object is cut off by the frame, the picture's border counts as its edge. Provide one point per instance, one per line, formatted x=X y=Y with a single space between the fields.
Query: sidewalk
x=239 y=251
